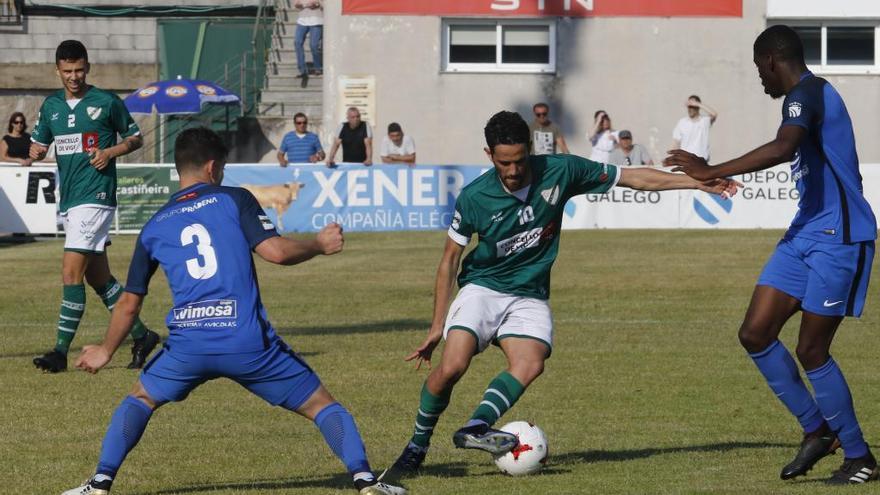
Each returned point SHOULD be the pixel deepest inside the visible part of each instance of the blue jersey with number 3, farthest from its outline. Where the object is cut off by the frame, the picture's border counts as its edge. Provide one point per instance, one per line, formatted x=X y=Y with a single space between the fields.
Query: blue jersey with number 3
x=203 y=240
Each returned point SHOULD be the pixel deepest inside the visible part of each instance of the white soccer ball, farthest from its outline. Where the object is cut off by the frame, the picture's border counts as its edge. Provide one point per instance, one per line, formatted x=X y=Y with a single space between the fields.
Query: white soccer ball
x=530 y=455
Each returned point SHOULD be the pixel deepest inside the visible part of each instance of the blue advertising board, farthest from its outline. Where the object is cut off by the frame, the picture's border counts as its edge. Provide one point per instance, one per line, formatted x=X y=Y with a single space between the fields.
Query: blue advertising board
x=305 y=198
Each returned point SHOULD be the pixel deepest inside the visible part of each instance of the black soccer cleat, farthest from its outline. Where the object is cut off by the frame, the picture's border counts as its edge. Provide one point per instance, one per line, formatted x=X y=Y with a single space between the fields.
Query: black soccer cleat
x=495 y=442
x=141 y=349
x=410 y=459
x=814 y=446
x=855 y=471
x=51 y=362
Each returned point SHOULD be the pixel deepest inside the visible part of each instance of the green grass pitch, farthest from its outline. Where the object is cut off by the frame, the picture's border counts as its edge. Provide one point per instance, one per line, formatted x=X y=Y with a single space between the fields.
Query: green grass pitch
x=647 y=392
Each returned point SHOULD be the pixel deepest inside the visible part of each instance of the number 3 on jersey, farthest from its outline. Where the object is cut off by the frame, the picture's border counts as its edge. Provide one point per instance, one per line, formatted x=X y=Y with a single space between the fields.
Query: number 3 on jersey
x=199 y=234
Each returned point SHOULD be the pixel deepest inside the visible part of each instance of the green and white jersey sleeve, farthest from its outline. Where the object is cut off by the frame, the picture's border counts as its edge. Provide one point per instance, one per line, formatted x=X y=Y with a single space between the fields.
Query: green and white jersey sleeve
x=462 y=227
x=589 y=177
x=79 y=128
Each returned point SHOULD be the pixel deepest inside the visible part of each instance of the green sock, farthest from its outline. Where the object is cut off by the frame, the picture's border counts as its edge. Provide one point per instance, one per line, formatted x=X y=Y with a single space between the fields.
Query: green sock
x=73 y=305
x=503 y=392
x=430 y=409
x=109 y=295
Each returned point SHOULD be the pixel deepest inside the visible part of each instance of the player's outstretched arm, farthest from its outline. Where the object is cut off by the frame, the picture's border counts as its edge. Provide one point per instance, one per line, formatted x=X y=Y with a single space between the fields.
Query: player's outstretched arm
x=284 y=251
x=443 y=284
x=94 y=357
x=650 y=179
x=779 y=150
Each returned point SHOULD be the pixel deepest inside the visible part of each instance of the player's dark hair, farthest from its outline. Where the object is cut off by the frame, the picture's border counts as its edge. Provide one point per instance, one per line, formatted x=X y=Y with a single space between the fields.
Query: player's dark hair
x=506 y=128
x=394 y=127
x=196 y=146
x=12 y=118
x=71 y=50
x=782 y=42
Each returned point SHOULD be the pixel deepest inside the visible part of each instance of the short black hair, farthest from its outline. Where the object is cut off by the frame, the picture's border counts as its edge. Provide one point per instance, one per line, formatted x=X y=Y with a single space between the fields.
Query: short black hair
x=298 y=115
x=394 y=127
x=695 y=97
x=782 y=42
x=71 y=50
x=195 y=146
x=540 y=105
x=506 y=128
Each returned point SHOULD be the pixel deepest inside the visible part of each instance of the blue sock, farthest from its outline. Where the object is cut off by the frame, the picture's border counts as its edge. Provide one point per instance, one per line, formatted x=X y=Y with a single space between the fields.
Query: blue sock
x=341 y=434
x=835 y=400
x=126 y=427
x=781 y=372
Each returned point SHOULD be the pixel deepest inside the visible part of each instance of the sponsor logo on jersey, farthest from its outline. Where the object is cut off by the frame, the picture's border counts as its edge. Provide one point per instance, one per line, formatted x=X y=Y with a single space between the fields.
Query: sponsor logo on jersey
x=68 y=144
x=148 y=91
x=94 y=112
x=210 y=309
x=267 y=224
x=794 y=109
x=497 y=217
x=519 y=242
x=176 y=91
x=187 y=209
x=54 y=116
x=551 y=195
x=206 y=90
x=90 y=141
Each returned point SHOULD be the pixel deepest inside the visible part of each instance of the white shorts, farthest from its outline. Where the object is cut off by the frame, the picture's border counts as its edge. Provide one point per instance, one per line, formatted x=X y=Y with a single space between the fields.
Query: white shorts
x=491 y=316
x=87 y=228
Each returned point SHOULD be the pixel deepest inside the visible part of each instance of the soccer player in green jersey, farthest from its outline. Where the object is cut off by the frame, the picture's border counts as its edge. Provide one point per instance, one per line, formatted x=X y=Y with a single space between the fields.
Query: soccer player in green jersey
x=516 y=212
x=84 y=121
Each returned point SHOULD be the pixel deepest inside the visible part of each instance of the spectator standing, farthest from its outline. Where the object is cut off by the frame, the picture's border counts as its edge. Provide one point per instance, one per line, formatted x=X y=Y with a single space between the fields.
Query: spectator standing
x=356 y=139
x=16 y=144
x=398 y=147
x=547 y=138
x=628 y=153
x=310 y=22
x=692 y=132
x=300 y=145
x=602 y=137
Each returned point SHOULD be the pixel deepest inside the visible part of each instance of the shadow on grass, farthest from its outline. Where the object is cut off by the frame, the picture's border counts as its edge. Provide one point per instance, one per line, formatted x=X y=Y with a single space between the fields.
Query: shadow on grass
x=376 y=327
x=336 y=482
x=631 y=455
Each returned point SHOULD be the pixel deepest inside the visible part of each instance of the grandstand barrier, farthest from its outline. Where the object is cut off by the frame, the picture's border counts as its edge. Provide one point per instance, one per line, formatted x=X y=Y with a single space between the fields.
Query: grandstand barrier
x=399 y=198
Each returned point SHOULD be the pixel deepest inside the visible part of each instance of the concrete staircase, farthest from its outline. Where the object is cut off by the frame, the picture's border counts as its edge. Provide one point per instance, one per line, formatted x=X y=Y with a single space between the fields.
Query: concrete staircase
x=282 y=95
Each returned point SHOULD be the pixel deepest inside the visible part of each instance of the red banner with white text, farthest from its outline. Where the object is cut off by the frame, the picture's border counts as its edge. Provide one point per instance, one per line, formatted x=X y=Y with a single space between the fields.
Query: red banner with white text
x=538 y=8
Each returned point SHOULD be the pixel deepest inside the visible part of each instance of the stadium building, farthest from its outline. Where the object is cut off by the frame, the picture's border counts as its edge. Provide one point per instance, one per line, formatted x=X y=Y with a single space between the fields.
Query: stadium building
x=441 y=68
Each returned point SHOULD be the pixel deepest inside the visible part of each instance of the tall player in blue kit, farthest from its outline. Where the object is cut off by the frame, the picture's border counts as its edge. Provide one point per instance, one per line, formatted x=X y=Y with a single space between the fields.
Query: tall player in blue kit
x=820 y=267
x=218 y=327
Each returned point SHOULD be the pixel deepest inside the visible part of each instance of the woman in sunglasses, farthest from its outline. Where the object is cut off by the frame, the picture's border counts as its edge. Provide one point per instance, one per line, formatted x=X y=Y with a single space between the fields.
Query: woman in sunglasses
x=16 y=143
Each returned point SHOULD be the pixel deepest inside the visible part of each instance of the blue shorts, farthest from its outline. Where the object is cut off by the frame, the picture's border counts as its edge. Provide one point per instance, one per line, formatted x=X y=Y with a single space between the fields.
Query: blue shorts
x=828 y=279
x=277 y=375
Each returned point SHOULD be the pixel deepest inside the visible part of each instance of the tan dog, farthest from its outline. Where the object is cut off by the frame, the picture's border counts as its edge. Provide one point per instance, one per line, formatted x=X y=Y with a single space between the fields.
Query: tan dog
x=277 y=196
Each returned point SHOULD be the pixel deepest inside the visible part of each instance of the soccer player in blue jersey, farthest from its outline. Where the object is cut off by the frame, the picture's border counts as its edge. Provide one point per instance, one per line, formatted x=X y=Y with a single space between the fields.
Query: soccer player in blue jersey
x=203 y=238
x=822 y=264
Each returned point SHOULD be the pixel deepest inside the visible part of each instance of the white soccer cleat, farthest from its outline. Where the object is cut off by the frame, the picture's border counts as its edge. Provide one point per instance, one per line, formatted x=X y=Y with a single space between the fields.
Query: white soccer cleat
x=382 y=488
x=87 y=488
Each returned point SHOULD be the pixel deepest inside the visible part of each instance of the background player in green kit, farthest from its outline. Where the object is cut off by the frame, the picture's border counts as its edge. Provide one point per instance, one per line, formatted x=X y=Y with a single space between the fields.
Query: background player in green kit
x=84 y=121
x=516 y=212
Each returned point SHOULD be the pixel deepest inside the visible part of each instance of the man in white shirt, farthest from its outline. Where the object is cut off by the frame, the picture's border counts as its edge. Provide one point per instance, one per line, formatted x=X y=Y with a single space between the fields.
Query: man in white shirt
x=397 y=147
x=692 y=132
x=309 y=22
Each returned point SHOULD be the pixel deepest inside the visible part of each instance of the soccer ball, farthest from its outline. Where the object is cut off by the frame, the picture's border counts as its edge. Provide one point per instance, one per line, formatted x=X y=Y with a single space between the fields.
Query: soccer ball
x=529 y=455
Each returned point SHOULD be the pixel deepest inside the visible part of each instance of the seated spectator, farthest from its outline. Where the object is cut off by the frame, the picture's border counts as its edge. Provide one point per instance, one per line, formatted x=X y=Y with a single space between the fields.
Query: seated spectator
x=16 y=144
x=356 y=139
x=397 y=147
x=300 y=145
x=627 y=153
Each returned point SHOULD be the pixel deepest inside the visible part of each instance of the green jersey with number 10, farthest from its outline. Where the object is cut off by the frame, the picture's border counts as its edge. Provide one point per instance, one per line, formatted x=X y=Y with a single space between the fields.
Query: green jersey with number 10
x=92 y=124
x=519 y=239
